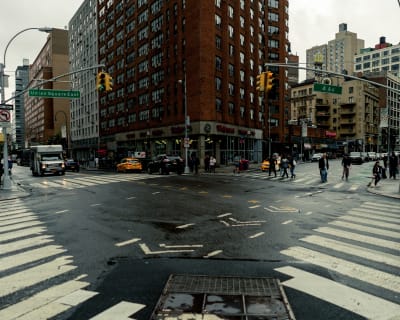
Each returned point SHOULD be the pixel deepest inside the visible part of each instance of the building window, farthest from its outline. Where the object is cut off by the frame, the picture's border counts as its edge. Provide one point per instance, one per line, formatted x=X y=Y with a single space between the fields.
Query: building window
x=218 y=84
x=218 y=63
x=230 y=31
x=231 y=108
x=230 y=12
x=218 y=21
x=218 y=104
x=218 y=42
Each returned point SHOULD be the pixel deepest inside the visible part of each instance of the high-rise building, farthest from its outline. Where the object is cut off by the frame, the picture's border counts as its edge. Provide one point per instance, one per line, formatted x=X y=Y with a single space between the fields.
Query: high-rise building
x=83 y=55
x=337 y=55
x=199 y=58
x=47 y=119
x=384 y=57
x=21 y=82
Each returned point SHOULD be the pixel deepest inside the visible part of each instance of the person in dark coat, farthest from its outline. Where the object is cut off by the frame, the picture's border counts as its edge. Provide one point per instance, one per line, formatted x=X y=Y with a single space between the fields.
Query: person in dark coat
x=272 y=165
x=323 y=165
x=393 y=165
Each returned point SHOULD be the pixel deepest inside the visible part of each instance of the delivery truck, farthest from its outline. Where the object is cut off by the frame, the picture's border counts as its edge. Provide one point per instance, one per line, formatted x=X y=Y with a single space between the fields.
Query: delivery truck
x=47 y=159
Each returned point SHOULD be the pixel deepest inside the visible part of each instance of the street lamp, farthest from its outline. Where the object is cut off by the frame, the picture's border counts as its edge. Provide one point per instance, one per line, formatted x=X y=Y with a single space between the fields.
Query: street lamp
x=6 y=179
x=186 y=141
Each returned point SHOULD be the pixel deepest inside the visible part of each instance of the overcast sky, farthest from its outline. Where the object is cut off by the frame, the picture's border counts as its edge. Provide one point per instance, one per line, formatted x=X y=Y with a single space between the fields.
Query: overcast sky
x=311 y=22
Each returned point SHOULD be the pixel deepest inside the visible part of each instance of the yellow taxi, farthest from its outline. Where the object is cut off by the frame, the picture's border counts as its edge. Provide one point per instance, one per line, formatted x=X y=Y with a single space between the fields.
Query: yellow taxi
x=129 y=164
x=265 y=165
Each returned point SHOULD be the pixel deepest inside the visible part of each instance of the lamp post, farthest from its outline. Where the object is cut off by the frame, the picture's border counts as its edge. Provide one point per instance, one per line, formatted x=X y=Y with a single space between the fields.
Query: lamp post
x=6 y=179
x=186 y=141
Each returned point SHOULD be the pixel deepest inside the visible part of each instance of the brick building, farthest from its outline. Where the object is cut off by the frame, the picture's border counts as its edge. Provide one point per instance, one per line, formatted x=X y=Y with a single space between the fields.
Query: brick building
x=47 y=119
x=204 y=55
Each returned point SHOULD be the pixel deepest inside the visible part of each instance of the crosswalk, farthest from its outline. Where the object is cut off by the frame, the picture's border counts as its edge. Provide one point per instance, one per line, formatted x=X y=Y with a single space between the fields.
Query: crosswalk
x=308 y=180
x=360 y=250
x=76 y=181
x=38 y=278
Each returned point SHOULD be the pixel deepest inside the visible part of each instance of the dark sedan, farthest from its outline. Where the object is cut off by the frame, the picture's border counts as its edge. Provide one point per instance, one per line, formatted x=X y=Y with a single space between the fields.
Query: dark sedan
x=165 y=164
x=71 y=165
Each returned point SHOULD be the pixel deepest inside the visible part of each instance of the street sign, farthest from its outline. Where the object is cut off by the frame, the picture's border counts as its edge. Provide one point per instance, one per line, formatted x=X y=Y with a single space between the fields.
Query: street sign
x=327 y=88
x=4 y=106
x=4 y=115
x=47 y=93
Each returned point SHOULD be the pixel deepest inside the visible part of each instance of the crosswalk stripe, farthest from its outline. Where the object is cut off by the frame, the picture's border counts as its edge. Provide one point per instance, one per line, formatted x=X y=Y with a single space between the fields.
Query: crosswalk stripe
x=12 y=216
x=356 y=301
x=24 y=244
x=360 y=238
x=120 y=311
x=356 y=271
x=354 y=187
x=10 y=212
x=381 y=232
x=375 y=223
x=338 y=185
x=354 y=250
x=375 y=204
x=29 y=256
x=18 y=220
x=376 y=213
x=21 y=233
x=19 y=226
x=377 y=217
x=23 y=279
x=41 y=299
x=50 y=184
x=81 y=181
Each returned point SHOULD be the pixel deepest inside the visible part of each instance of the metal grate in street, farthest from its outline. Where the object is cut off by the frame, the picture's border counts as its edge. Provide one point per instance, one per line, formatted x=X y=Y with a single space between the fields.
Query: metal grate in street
x=199 y=297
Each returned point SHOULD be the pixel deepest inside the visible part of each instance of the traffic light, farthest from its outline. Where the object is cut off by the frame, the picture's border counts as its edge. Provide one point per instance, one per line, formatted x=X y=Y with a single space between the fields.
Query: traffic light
x=101 y=81
x=109 y=82
x=260 y=85
x=270 y=79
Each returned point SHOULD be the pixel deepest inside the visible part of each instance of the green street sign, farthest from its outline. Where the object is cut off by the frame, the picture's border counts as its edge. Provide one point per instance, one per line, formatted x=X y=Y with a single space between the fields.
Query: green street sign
x=47 y=93
x=327 y=88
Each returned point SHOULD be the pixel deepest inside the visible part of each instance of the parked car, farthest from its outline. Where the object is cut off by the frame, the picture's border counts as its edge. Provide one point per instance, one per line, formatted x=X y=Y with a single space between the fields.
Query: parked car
x=372 y=156
x=357 y=157
x=129 y=164
x=316 y=157
x=172 y=164
x=71 y=165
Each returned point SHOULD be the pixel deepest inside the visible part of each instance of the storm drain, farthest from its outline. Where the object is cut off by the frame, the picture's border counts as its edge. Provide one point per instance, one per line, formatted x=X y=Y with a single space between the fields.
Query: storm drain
x=194 y=297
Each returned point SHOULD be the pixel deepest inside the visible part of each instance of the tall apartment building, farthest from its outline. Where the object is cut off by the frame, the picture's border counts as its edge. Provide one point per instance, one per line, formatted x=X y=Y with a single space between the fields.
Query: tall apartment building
x=202 y=56
x=47 y=119
x=384 y=57
x=83 y=55
x=18 y=123
x=338 y=54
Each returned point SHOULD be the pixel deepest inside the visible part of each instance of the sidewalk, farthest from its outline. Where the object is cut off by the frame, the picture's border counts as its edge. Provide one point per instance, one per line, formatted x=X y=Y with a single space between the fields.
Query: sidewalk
x=387 y=188
x=15 y=192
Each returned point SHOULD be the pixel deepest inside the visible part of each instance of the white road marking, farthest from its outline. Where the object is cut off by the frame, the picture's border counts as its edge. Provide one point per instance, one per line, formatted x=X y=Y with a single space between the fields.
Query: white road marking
x=184 y=226
x=287 y=222
x=213 y=253
x=308 y=213
x=256 y=235
x=124 y=243
x=41 y=299
x=375 y=213
x=9 y=212
x=377 y=217
x=157 y=192
x=372 y=230
x=20 y=226
x=95 y=204
x=354 y=187
x=246 y=222
x=24 y=244
x=353 y=270
x=254 y=207
x=338 y=185
x=374 y=204
x=120 y=311
x=375 y=223
x=146 y=250
x=163 y=245
x=19 y=259
x=360 y=238
x=34 y=275
x=224 y=215
x=62 y=211
x=350 y=249
x=18 y=220
x=21 y=233
x=356 y=301
x=130 y=198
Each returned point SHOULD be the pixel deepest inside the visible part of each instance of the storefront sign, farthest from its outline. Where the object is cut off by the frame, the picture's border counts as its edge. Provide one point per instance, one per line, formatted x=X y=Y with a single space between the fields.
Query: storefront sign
x=221 y=128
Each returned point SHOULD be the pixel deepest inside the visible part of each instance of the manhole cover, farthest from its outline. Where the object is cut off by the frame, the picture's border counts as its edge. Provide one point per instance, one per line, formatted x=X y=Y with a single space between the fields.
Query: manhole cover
x=192 y=297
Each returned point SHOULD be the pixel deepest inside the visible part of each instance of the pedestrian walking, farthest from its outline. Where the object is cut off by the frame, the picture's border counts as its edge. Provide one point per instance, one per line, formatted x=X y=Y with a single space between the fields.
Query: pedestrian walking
x=393 y=165
x=207 y=163
x=376 y=173
x=323 y=165
x=195 y=163
x=292 y=166
x=272 y=165
x=236 y=163
x=285 y=166
x=213 y=163
x=346 y=164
